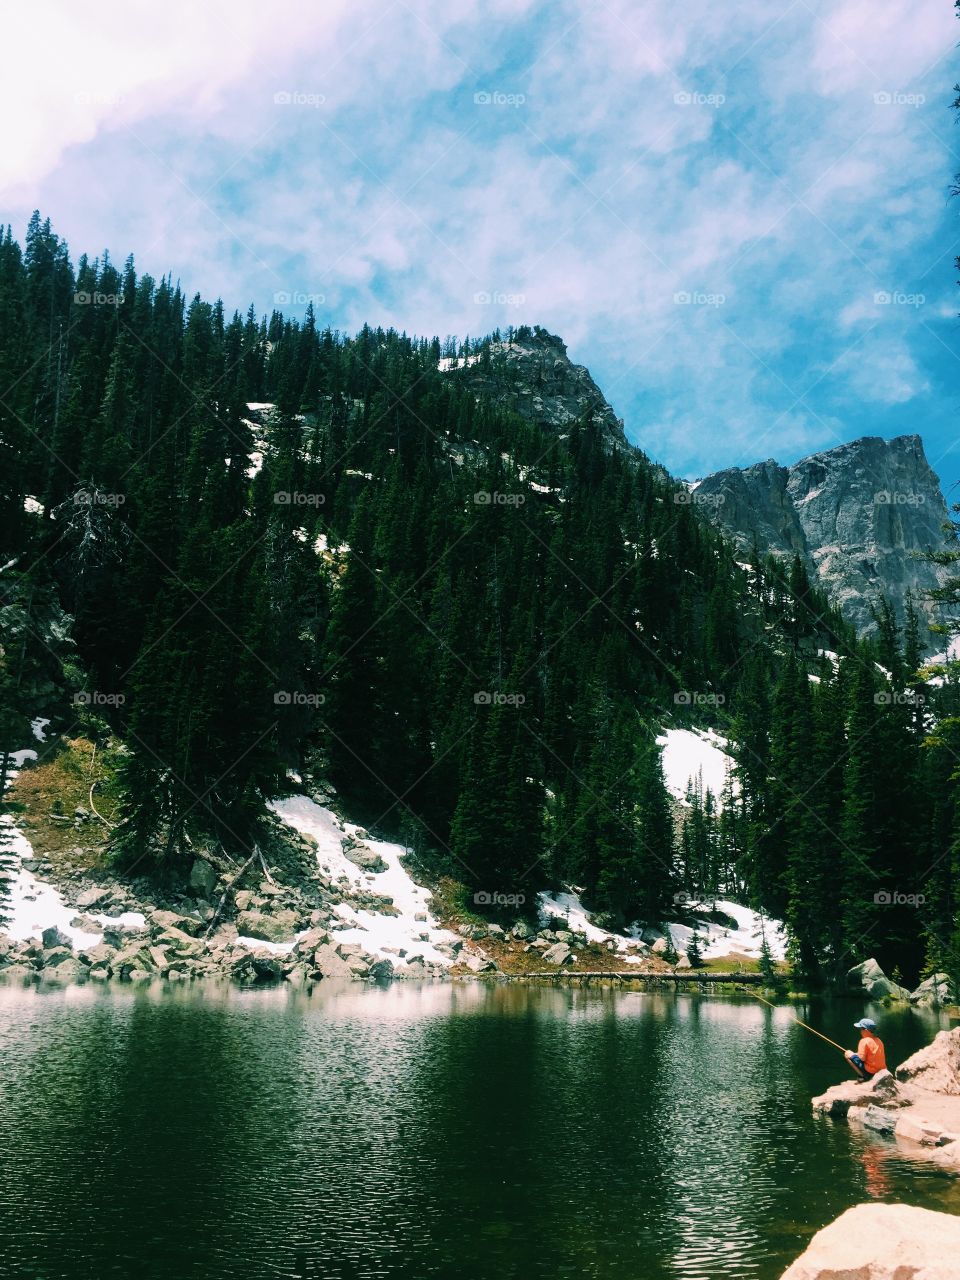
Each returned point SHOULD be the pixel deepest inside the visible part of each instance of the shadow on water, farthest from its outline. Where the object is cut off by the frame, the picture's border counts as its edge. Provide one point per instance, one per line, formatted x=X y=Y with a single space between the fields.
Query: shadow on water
x=426 y=1131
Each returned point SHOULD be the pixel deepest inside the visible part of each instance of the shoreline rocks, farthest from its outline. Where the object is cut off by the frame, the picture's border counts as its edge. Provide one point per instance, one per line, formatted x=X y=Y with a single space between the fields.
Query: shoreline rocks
x=919 y=1106
x=882 y=1242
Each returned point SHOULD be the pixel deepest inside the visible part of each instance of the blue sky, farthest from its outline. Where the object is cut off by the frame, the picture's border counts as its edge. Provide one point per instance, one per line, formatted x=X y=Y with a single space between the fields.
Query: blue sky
x=736 y=214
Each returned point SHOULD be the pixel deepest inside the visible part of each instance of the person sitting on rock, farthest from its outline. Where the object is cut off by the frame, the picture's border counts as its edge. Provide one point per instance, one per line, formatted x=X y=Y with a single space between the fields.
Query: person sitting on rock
x=870 y=1056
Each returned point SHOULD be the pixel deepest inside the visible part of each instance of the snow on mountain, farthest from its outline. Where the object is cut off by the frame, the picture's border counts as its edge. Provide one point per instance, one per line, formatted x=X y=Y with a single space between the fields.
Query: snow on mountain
x=385 y=935
x=688 y=753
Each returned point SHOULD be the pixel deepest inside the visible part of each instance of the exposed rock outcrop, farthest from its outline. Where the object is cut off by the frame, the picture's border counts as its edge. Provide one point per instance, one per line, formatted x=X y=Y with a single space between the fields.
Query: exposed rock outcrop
x=533 y=377
x=883 y=1242
x=874 y=983
x=935 y=1068
x=856 y=515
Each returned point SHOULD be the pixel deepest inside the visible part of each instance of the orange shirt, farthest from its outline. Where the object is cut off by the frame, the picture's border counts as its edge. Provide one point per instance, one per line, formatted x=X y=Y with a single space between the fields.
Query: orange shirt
x=870 y=1050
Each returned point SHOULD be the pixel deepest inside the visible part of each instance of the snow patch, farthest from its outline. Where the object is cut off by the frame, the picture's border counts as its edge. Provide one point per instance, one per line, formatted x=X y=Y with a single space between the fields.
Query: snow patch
x=384 y=935
x=689 y=753
x=718 y=940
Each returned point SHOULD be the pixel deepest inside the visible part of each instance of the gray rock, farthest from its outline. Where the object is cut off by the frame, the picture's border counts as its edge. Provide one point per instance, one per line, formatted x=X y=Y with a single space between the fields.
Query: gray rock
x=558 y=954
x=328 y=964
x=204 y=877
x=54 y=937
x=477 y=963
x=856 y=515
x=660 y=946
x=937 y=989
x=92 y=897
x=278 y=926
x=522 y=931
x=879 y=1119
x=495 y=931
x=362 y=856
x=381 y=969
x=870 y=978
x=534 y=378
x=190 y=924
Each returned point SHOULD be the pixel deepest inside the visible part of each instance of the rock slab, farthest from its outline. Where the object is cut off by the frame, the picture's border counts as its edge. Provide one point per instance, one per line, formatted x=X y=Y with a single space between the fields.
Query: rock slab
x=883 y=1242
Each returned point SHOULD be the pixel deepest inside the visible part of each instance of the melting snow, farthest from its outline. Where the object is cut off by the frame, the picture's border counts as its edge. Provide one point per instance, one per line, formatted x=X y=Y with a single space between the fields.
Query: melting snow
x=746 y=939
x=384 y=935
x=687 y=753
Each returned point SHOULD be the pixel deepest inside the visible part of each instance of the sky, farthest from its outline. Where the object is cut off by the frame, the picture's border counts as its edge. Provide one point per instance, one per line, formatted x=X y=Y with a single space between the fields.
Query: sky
x=738 y=216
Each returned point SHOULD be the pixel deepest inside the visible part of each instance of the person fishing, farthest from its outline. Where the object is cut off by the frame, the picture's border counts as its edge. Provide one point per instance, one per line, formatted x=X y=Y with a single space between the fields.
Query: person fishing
x=870 y=1056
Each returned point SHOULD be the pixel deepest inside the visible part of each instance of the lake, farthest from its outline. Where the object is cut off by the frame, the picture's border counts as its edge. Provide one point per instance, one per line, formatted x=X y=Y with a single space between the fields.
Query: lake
x=427 y=1130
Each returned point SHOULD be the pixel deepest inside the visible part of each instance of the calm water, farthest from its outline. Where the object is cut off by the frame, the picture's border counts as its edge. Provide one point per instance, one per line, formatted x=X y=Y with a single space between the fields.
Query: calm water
x=421 y=1131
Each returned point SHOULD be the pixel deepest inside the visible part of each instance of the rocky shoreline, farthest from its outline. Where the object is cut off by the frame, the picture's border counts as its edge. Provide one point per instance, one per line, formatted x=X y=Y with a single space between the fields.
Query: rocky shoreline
x=918 y=1106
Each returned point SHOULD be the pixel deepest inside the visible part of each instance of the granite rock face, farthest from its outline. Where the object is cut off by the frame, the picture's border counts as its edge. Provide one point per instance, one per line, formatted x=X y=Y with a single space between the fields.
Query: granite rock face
x=883 y=1242
x=856 y=515
x=533 y=376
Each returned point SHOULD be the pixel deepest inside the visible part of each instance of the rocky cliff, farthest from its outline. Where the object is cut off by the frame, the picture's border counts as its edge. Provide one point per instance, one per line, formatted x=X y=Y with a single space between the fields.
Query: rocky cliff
x=532 y=375
x=859 y=516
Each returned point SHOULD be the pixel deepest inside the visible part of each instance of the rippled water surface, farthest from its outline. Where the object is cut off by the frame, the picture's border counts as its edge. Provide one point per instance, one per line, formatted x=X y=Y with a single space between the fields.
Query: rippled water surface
x=426 y=1131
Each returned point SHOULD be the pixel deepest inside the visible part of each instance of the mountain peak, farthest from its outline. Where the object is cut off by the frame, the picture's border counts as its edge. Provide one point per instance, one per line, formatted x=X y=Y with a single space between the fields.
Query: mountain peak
x=859 y=515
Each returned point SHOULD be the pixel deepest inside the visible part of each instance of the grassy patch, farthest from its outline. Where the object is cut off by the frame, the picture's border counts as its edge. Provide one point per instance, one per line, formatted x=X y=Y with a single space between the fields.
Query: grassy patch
x=50 y=791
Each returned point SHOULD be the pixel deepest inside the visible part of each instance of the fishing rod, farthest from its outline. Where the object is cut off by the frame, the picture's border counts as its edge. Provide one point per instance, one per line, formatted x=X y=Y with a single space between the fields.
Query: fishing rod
x=801 y=1023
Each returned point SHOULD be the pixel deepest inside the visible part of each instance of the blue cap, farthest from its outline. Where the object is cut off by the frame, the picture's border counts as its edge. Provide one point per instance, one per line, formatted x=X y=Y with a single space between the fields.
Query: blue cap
x=866 y=1024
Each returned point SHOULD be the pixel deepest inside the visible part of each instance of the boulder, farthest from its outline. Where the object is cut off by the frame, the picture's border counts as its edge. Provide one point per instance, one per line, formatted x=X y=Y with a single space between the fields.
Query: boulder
x=478 y=963
x=522 y=931
x=362 y=855
x=937 y=989
x=882 y=1242
x=381 y=969
x=86 y=924
x=204 y=877
x=558 y=954
x=54 y=937
x=870 y=978
x=256 y=966
x=683 y=962
x=92 y=898
x=160 y=920
x=69 y=969
x=881 y=1091
x=879 y=1119
x=496 y=931
x=278 y=926
x=328 y=964
x=54 y=957
x=308 y=942
x=937 y=1066
x=660 y=946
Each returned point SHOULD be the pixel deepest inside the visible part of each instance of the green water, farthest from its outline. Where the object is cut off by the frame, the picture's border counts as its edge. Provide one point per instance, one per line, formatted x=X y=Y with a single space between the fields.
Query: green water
x=426 y=1131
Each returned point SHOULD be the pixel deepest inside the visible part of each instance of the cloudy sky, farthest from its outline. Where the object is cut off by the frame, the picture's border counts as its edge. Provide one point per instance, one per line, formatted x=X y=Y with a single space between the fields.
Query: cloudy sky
x=736 y=214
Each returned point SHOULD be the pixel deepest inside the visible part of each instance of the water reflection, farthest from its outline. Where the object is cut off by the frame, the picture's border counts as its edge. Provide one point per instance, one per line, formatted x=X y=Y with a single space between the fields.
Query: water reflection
x=423 y=1130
